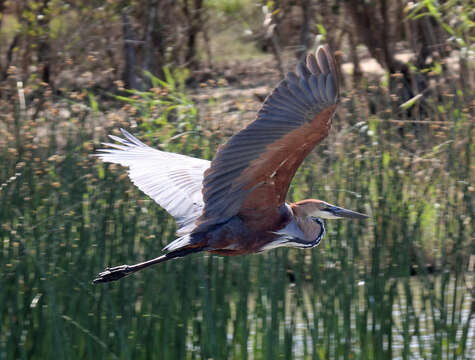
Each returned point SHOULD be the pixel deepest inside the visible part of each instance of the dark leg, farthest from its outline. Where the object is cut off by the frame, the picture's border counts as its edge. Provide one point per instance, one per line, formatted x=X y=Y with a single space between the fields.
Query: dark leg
x=118 y=272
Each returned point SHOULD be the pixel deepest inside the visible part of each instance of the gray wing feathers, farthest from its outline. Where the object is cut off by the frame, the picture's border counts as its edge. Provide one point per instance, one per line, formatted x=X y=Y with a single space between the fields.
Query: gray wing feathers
x=174 y=181
x=295 y=101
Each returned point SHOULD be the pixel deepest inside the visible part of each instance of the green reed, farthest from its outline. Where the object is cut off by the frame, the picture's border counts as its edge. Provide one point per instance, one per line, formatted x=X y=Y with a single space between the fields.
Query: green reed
x=66 y=216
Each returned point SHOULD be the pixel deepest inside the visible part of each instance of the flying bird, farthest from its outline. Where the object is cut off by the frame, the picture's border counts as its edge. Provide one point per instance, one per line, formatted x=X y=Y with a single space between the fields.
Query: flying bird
x=235 y=204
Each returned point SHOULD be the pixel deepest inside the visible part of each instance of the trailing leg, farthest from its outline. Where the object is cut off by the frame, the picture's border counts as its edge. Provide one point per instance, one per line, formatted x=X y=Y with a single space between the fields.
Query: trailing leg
x=118 y=272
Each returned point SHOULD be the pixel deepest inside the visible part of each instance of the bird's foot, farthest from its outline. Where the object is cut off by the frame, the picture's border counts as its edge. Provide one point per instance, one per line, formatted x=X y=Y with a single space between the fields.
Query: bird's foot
x=113 y=274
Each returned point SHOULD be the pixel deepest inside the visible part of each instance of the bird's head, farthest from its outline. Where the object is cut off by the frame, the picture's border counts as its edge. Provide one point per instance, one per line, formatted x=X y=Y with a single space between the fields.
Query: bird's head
x=321 y=209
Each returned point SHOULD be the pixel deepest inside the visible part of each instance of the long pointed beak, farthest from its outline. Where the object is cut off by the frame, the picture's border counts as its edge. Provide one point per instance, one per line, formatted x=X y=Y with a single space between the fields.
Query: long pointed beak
x=344 y=213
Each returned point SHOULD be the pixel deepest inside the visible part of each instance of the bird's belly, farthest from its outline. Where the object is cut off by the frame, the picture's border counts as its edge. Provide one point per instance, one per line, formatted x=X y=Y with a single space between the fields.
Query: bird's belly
x=235 y=238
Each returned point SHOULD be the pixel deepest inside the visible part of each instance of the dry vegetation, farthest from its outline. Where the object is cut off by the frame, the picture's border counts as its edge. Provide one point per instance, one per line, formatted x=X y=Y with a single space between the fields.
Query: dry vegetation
x=184 y=75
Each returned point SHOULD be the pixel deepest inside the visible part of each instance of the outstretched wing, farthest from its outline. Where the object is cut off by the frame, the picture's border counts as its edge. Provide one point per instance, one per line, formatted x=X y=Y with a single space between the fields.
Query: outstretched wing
x=251 y=174
x=174 y=181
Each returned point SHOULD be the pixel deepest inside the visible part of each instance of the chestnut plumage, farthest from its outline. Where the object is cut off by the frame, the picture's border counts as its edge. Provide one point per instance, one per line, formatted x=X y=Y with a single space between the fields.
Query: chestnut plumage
x=235 y=204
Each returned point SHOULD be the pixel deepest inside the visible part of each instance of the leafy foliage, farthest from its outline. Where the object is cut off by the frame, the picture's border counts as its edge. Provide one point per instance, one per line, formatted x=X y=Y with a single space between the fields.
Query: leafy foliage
x=398 y=285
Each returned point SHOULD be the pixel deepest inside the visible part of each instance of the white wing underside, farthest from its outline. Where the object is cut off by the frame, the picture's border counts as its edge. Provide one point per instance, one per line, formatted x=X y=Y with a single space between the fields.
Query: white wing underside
x=174 y=181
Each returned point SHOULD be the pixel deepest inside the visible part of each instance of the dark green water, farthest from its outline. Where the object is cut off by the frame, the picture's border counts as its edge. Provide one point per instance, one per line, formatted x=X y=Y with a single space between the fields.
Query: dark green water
x=65 y=217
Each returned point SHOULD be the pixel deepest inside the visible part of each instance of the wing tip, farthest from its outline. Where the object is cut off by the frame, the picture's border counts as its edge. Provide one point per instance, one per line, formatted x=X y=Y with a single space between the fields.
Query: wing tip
x=122 y=145
x=327 y=57
x=327 y=63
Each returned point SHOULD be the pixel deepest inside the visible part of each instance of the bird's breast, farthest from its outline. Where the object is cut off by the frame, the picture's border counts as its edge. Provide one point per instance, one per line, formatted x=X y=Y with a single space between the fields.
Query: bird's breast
x=237 y=236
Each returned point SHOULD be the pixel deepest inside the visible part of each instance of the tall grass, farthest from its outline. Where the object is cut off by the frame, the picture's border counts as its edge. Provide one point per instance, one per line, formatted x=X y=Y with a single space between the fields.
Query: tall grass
x=65 y=216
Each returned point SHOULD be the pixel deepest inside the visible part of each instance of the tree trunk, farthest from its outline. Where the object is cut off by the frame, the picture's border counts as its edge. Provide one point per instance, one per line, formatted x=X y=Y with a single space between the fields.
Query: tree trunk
x=43 y=44
x=357 y=73
x=129 y=76
x=305 y=31
x=196 y=23
x=374 y=29
x=149 y=49
x=9 y=56
x=207 y=42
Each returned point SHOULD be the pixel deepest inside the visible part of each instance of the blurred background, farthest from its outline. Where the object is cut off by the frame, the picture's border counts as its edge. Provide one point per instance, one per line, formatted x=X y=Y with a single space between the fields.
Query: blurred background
x=183 y=76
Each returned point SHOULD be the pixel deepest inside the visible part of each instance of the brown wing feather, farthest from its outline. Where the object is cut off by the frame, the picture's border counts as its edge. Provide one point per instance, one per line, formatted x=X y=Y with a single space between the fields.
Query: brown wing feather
x=275 y=169
x=251 y=174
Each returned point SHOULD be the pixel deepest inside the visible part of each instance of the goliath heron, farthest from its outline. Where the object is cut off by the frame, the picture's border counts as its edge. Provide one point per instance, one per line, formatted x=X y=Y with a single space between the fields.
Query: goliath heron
x=235 y=204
